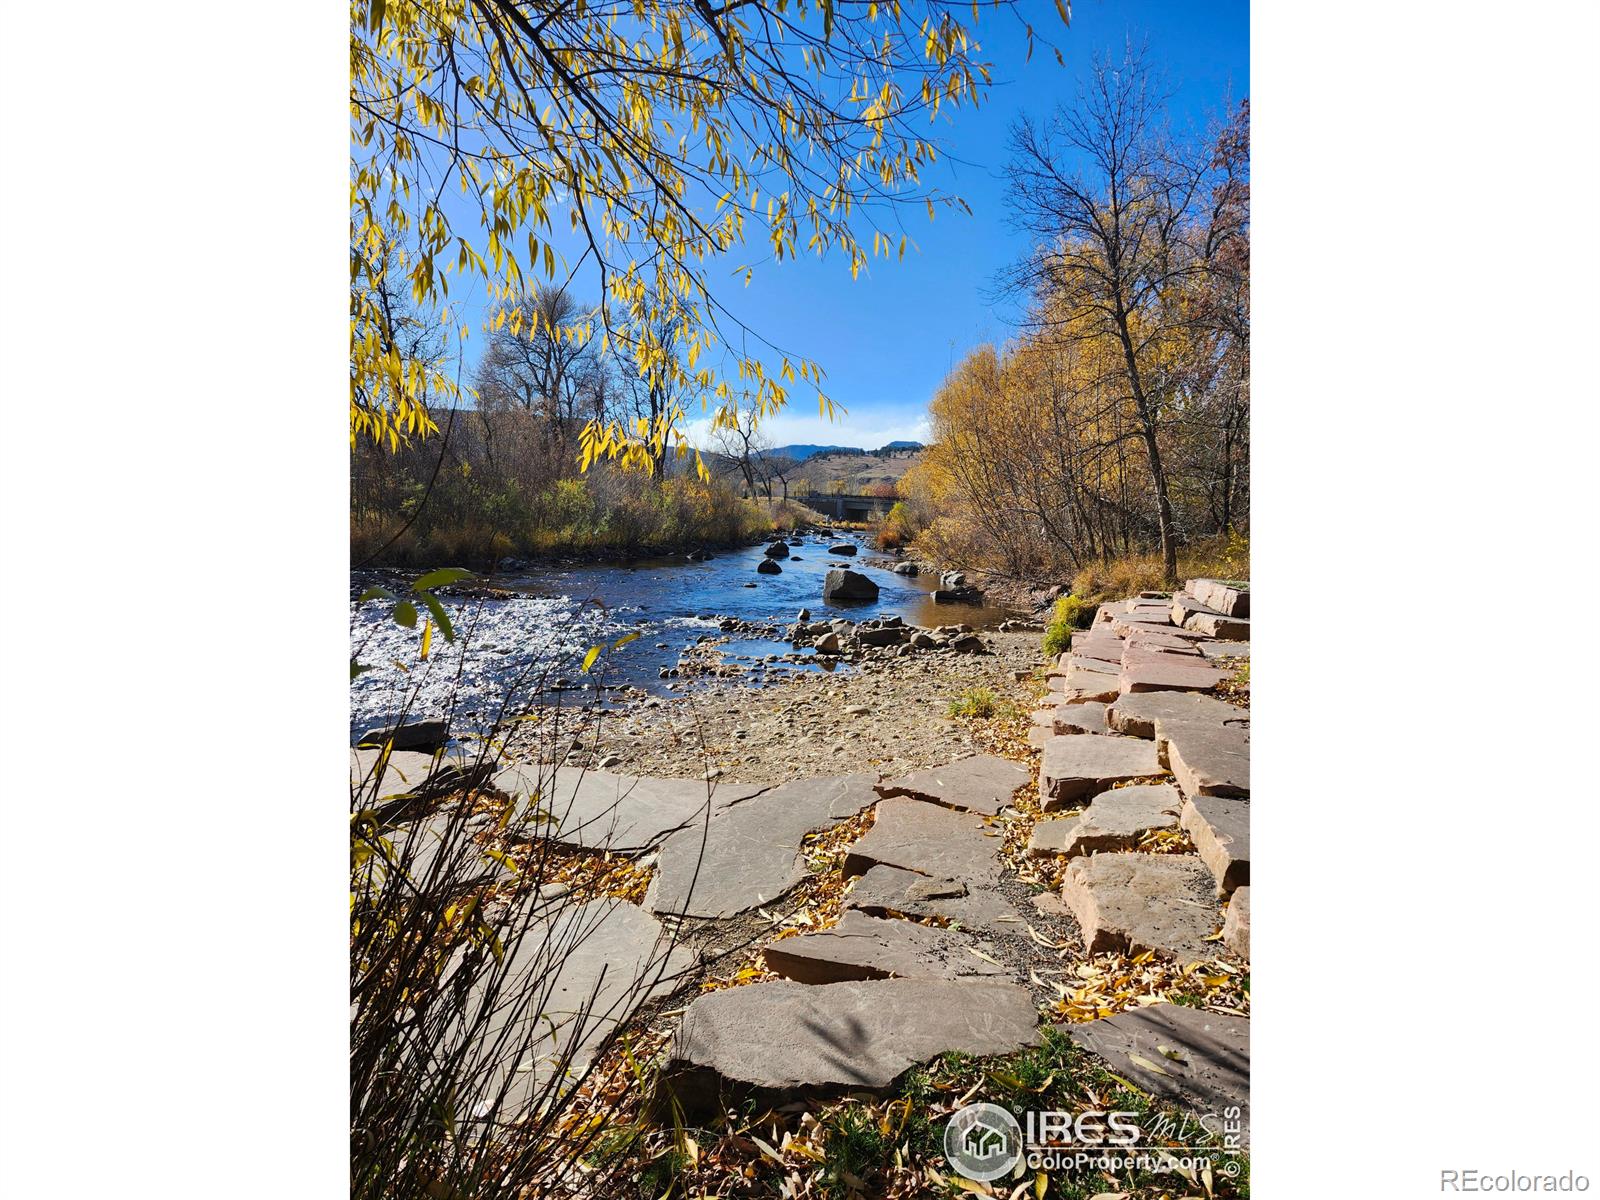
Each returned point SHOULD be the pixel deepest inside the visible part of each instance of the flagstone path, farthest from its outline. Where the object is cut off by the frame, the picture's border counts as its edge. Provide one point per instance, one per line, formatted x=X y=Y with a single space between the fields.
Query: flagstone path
x=1134 y=745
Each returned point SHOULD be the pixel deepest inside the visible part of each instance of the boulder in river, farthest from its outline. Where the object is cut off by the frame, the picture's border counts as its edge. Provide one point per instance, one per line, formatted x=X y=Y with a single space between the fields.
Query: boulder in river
x=778 y=550
x=844 y=584
x=905 y=568
x=425 y=734
x=844 y=548
x=769 y=566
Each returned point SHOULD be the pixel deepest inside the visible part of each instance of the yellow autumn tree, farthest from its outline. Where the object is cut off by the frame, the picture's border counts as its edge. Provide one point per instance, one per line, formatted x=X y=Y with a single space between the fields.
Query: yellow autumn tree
x=653 y=144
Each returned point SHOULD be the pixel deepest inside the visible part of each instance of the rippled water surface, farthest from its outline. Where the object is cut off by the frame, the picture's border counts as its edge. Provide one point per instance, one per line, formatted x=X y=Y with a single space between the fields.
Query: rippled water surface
x=508 y=649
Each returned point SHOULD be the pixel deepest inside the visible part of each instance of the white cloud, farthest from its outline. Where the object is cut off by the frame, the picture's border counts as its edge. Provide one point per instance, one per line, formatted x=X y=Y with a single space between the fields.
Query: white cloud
x=869 y=430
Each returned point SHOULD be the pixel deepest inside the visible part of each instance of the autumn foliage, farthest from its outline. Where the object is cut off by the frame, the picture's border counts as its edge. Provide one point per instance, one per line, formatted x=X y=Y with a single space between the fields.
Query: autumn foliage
x=1117 y=424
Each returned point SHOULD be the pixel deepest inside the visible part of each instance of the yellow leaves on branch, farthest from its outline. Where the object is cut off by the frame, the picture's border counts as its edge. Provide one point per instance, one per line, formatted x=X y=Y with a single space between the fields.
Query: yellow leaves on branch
x=656 y=135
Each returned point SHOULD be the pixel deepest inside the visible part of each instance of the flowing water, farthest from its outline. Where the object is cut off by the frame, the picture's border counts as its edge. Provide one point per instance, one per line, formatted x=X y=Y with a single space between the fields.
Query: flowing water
x=506 y=650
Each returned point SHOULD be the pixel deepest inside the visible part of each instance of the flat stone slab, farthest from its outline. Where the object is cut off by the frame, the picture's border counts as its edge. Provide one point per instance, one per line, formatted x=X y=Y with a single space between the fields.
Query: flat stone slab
x=1185 y=606
x=1114 y=820
x=1138 y=714
x=1088 y=717
x=1213 y=625
x=410 y=772
x=1220 y=831
x=983 y=784
x=1074 y=768
x=863 y=947
x=928 y=839
x=1139 y=902
x=438 y=853
x=1198 y=1059
x=1171 y=675
x=1105 y=648
x=1236 y=924
x=1231 y=599
x=570 y=982
x=884 y=891
x=749 y=853
x=1216 y=650
x=789 y=1037
x=626 y=815
x=1130 y=623
x=1080 y=685
x=1205 y=758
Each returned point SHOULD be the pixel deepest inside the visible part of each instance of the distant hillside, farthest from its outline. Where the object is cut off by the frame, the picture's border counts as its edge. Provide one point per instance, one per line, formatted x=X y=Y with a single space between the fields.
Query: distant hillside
x=857 y=471
x=801 y=451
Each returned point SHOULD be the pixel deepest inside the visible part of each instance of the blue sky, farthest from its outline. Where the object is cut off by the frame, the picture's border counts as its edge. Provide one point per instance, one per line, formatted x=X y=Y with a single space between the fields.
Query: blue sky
x=887 y=339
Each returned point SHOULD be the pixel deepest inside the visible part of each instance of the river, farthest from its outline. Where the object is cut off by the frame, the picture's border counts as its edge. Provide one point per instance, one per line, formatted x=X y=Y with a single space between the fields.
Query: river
x=509 y=650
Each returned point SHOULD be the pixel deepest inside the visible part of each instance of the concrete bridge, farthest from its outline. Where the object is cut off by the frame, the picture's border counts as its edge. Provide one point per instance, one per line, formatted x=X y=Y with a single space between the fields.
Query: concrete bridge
x=843 y=507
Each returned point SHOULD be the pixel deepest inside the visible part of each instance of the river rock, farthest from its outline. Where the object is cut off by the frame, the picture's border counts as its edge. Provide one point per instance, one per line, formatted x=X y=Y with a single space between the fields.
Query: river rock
x=749 y=854
x=1114 y=820
x=926 y=838
x=768 y=566
x=828 y=643
x=844 y=584
x=844 y=549
x=1137 y=902
x=424 y=734
x=880 y=637
x=1139 y=713
x=1197 y=1059
x=1220 y=831
x=861 y=1034
x=620 y=813
x=863 y=947
x=983 y=784
x=969 y=643
x=1236 y=924
x=777 y=550
x=887 y=891
x=906 y=568
x=1075 y=767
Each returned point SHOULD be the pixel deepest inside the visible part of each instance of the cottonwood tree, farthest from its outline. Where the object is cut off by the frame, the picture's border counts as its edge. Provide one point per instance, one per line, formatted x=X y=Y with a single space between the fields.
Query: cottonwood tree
x=536 y=361
x=643 y=143
x=1126 y=235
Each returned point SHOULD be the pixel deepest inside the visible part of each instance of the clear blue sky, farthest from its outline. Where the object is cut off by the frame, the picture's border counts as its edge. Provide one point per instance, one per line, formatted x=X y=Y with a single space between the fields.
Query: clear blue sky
x=887 y=339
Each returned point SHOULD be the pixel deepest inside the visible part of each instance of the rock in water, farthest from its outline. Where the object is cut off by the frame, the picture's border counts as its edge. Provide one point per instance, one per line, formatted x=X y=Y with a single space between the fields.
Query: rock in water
x=844 y=584
x=778 y=550
x=768 y=567
x=843 y=548
x=425 y=734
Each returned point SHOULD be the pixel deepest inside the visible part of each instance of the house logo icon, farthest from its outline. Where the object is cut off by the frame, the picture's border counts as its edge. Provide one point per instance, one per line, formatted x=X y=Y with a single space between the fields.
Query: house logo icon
x=983 y=1142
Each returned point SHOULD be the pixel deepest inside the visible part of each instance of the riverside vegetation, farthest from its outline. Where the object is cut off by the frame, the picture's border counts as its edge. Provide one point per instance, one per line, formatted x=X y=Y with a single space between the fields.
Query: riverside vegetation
x=566 y=915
